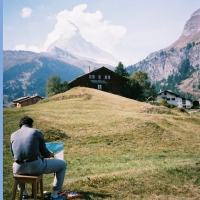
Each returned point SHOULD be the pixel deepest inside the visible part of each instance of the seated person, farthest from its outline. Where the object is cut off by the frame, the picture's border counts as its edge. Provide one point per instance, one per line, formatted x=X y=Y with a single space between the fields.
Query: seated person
x=29 y=152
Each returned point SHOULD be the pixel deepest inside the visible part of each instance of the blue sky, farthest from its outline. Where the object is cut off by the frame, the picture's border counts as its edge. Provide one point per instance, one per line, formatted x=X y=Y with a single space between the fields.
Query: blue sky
x=128 y=29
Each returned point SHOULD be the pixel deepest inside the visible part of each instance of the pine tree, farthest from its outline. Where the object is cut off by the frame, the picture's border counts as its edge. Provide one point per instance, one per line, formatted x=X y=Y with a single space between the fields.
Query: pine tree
x=54 y=86
x=121 y=70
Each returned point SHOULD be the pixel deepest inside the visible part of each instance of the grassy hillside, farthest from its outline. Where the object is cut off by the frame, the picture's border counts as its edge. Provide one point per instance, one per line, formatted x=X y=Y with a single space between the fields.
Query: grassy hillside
x=116 y=148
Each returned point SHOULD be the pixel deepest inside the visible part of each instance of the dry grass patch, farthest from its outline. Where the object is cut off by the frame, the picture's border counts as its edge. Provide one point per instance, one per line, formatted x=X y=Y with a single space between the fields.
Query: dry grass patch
x=114 y=149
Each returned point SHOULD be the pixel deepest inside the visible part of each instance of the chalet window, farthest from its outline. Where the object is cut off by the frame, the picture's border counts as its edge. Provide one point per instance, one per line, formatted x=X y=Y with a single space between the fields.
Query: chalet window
x=173 y=99
x=168 y=99
x=107 y=76
x=99 y=76
x=165 y=93
x=99 y=87
x=91 y=76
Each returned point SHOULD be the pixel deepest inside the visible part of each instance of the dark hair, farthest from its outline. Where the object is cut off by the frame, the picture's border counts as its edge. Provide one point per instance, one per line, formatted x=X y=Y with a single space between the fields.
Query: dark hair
x=25 y=120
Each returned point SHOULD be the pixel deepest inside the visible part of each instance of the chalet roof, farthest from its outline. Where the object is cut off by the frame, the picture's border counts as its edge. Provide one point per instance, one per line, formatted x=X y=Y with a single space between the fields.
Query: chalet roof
x=21 y=99
x=169 y=92
x=96 y=70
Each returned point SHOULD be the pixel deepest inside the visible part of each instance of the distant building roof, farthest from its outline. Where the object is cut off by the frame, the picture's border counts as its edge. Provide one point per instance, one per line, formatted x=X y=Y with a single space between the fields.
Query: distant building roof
x=21 y=99
x=96 y=71
x=169 y=91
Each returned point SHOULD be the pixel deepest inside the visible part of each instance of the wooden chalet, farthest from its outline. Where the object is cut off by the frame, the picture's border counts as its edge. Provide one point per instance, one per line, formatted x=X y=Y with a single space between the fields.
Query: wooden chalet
x=102 y=79
x=26 y=101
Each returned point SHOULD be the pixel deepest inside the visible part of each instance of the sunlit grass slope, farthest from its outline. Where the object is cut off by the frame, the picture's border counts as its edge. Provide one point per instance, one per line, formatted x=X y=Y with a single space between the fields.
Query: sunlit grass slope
x=116 y=148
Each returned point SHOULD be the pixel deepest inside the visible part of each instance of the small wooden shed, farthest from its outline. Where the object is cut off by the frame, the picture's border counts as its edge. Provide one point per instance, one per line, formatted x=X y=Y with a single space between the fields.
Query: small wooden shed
x=26 y=101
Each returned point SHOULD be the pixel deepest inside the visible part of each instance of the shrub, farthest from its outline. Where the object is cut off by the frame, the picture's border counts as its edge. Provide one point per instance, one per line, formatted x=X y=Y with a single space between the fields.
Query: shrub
x=162 y=53
x=163 y=102
x=154 y=103
x=189 y=45
x=181 y=109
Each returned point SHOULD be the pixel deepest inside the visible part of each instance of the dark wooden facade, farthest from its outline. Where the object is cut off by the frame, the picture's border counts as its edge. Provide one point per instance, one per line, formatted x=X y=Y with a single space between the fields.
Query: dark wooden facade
x=103 y=79
x=195 y=103
x=26 y=101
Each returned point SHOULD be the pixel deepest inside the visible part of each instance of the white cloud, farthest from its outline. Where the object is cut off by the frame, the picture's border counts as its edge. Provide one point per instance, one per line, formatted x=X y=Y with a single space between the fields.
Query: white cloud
x=26 y=12
x=92 y=28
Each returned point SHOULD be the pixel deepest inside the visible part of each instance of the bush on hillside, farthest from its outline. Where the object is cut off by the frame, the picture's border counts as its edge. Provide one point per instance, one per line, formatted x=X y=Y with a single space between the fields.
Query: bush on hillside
x=163 y=102
x=181 y=109
x=155 y=103
x=189 y=45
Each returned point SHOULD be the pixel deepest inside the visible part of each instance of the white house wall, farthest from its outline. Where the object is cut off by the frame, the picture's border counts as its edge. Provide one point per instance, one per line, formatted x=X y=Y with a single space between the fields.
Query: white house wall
x=188 y=104
x=179 y=102
x=173 y=99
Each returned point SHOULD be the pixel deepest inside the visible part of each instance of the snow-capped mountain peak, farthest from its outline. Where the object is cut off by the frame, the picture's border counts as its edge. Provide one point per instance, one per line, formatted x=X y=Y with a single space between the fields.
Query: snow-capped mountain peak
x=80 y=48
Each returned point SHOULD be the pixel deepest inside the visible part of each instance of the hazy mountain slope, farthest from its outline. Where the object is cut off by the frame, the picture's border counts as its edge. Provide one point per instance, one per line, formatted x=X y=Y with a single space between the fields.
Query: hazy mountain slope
x=25 y=73
x=166 y=67
x=81 y=63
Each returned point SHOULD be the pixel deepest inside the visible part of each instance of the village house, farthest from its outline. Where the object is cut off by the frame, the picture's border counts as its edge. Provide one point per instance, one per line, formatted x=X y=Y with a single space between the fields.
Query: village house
x=174 y=99
x=102 y=79
x=26 y=101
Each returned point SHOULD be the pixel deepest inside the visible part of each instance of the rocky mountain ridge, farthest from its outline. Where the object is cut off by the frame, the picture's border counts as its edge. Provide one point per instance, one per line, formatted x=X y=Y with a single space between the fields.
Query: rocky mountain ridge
x=25 y=73
x=190 y=32
x=168 y=62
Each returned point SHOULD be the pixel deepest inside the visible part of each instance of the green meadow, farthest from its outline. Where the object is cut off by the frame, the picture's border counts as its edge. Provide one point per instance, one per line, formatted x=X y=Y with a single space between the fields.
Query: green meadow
x=116 y=148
